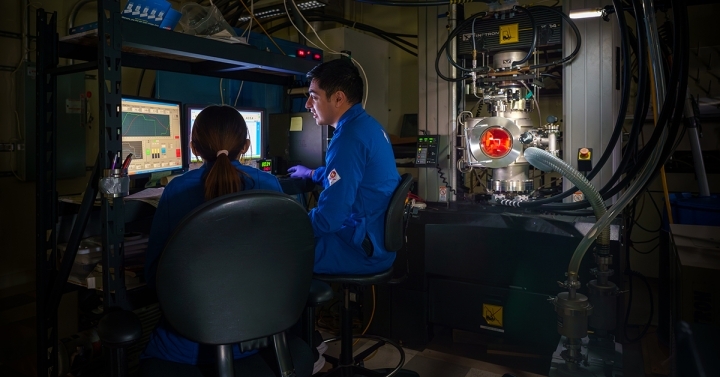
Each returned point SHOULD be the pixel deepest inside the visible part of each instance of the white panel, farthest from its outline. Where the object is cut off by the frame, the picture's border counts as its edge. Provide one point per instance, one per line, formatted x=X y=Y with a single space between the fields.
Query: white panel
x=435 y=106
x=590 y=96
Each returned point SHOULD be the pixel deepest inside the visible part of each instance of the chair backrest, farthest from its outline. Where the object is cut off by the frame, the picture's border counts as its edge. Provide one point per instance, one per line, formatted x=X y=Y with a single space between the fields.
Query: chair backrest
x=237 y=268
x=394 y=224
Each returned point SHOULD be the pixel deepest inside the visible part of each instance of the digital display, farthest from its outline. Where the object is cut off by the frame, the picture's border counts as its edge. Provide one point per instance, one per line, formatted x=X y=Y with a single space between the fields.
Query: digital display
x=265 y=165
x=151 y=131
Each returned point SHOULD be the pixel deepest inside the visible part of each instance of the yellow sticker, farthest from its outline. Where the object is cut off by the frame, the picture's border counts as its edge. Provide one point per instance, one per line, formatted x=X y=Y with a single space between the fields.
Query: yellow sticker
x=509 y=34
x=493 y=314
x=295 y=124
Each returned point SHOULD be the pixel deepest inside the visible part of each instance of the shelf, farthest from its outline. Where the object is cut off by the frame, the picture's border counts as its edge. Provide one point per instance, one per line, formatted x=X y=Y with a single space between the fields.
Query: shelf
x=145 y=46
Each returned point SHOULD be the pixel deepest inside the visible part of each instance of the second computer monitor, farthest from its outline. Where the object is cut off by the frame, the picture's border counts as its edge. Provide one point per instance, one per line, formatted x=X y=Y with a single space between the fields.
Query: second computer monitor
x=255 y=121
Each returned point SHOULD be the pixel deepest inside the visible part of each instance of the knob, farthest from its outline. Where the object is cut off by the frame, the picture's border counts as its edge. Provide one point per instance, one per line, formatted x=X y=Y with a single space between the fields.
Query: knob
x=526 y=138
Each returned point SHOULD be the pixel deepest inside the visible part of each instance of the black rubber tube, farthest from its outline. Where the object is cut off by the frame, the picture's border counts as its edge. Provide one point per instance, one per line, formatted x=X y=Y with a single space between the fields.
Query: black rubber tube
x=577 y=35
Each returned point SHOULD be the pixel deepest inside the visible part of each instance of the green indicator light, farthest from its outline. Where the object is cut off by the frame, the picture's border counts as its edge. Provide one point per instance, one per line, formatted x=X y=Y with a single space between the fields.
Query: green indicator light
x=147 y=152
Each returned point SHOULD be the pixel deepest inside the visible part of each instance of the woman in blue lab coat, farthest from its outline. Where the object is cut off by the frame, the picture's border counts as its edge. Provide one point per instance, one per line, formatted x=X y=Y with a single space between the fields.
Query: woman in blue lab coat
x=219 y=136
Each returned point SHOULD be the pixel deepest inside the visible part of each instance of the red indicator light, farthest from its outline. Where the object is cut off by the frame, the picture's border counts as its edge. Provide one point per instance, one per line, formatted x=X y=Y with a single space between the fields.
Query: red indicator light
x=177 y=153
x=317 y=57
x=496 y=142
x=301 y=53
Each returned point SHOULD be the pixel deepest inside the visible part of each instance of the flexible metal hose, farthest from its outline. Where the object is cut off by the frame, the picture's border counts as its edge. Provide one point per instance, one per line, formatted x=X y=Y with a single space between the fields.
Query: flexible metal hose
x=545 y=161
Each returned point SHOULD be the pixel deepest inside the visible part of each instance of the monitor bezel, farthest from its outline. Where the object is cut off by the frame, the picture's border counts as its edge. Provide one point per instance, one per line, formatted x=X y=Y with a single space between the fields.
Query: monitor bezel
x=184 y=141
x=263 y=127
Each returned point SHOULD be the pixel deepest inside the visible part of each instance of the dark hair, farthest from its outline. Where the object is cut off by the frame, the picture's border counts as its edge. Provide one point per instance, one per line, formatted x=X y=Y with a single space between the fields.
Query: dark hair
x=219 y=128
x=339 y=75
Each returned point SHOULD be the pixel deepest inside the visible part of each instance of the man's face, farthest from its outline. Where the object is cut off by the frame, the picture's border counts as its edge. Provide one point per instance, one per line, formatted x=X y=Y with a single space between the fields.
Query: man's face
x=322 y=108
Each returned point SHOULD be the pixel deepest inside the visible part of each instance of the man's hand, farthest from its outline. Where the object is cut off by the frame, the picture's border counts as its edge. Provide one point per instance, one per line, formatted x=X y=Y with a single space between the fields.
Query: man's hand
x=299 y=171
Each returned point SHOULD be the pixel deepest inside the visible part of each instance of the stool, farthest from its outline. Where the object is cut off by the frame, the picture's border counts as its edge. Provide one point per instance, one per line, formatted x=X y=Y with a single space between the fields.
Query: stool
x=347 y=365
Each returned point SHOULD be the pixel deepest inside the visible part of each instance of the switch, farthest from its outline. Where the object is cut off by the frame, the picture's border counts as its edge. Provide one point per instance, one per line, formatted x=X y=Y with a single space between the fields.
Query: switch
x=584 y=159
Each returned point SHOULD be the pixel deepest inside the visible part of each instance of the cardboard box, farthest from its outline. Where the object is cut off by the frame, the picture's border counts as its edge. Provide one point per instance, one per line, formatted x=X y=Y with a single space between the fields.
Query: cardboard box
x=697 y=283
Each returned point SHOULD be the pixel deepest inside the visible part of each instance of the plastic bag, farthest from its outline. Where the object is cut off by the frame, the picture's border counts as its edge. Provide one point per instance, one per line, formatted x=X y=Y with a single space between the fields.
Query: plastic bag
x=199 y=20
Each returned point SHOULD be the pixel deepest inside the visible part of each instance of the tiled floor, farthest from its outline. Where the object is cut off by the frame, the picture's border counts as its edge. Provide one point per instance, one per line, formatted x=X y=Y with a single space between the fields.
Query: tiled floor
x=428 y=363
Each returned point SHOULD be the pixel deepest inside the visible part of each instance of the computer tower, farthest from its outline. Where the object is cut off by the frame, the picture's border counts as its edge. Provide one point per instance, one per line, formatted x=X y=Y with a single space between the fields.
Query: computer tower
x=296 y=139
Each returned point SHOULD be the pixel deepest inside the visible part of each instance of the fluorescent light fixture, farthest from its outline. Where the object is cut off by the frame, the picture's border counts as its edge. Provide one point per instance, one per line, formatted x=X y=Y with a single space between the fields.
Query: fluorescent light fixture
x=277 y=10
x=586 y=13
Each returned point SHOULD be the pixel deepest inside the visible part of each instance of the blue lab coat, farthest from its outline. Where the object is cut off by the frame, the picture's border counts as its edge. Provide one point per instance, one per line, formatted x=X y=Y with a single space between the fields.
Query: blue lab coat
x=181 y=196
x=359 y=177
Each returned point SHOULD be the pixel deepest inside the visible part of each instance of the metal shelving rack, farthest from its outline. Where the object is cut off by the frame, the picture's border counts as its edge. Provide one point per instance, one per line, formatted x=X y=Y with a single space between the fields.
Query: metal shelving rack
x=126 y=43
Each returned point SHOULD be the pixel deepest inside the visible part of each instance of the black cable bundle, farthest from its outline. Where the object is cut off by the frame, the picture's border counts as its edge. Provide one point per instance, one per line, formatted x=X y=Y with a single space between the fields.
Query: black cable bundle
x=393 y=38
x=669 y=117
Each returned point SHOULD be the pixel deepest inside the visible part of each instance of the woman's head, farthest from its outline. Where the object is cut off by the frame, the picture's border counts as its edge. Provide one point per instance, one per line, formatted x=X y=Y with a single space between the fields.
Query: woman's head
x=219 y=136
x=219 y=128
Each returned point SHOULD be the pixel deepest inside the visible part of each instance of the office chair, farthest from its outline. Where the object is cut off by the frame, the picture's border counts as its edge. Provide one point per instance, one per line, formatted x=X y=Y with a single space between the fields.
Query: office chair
x=347 y=365
x=231 y=274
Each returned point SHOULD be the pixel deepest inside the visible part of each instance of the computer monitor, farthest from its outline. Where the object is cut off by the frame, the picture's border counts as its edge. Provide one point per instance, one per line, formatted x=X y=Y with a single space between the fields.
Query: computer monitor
x=255 y=120
x=154 y=132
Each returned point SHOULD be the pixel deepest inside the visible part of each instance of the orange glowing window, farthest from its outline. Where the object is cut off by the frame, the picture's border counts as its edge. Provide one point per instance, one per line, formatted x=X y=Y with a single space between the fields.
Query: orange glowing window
x=496 y=142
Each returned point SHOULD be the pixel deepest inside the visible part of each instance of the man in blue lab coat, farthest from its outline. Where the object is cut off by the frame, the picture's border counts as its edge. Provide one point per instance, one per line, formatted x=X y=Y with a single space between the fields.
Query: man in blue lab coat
x=359 y=175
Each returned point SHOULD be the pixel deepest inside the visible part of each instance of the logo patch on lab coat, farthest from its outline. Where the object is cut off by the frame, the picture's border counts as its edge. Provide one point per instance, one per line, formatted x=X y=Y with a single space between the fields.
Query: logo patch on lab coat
x=333 y=177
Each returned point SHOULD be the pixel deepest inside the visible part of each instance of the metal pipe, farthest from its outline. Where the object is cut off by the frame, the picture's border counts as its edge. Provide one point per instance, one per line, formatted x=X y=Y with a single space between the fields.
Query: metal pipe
x=654 y=50
x=225 y=360
x=453 y=87
x=25 y=19
x=694 y=139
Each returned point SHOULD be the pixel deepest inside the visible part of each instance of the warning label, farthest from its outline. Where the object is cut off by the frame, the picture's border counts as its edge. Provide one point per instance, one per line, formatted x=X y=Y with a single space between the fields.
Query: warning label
x=578 y=196
x=509 y=34
x=493 y=314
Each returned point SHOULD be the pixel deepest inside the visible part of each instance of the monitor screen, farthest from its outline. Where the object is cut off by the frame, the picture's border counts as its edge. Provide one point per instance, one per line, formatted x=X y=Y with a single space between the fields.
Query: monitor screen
x=153 y=131
x=255 y=120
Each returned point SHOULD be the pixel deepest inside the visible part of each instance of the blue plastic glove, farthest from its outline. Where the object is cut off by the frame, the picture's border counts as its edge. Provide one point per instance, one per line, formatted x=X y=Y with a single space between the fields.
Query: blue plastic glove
x=299 y=171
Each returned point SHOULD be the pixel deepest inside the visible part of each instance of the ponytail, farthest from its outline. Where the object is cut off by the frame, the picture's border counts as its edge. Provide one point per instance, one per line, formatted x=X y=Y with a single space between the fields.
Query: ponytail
x=219 y=137
x=223 y=178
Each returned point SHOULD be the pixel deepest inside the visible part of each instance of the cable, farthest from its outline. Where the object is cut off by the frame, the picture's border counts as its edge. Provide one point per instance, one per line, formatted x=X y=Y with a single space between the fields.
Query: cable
x=390 y=37
x=632 y=273
x=263 y=29
x=367 y=84
x=415 y=3
x=372 y=315
x=618 y=122
x=537 y=106
x=442 y=176
x=250 y=20
x=533 y=46
x=222 y=99
x=139 y=85
x=238 y=96
x=669 y=117
x=578 y=37
x=450 y=37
